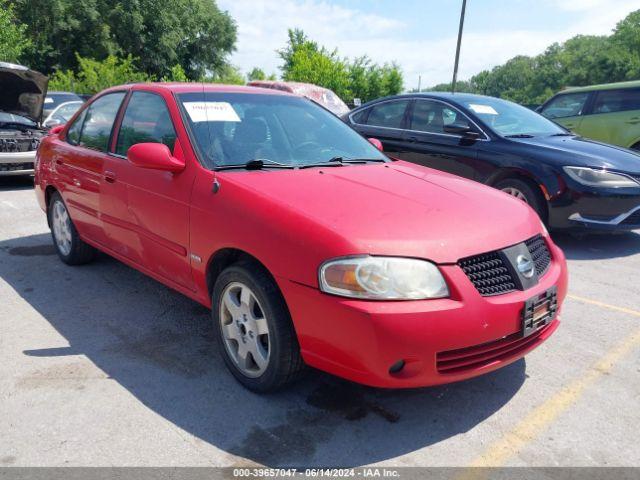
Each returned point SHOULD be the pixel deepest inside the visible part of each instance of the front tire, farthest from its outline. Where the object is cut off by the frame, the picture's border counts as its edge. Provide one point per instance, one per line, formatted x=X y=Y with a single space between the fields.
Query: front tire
x=255 y=331
x=70 y=247
x=525 y=192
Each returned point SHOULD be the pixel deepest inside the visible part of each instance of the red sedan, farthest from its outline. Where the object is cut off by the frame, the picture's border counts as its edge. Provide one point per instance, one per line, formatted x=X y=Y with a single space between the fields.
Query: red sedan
x=310 y=246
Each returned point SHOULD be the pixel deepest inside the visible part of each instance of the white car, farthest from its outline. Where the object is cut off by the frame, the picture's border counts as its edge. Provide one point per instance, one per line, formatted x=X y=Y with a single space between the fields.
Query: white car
x=22 y=94
x=62 y=114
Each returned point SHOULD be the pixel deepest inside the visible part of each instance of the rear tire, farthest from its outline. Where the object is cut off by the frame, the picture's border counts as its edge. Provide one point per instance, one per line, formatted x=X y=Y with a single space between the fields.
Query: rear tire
x=70 y=247
x=255 y=332
x=525 y=191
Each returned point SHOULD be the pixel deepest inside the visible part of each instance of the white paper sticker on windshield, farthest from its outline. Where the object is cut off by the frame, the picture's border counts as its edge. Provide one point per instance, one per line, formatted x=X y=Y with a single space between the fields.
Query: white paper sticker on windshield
x=488 y=109
x=48 y=100
x=211 y=112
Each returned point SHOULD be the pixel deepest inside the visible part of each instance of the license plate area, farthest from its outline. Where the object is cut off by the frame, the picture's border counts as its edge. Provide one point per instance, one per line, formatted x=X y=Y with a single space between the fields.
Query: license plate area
x=539 y=311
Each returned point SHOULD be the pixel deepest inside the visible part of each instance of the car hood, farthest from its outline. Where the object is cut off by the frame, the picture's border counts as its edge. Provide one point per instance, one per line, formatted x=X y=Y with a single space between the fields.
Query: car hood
x=23 y=91
x=395 y=209
x=580 y=151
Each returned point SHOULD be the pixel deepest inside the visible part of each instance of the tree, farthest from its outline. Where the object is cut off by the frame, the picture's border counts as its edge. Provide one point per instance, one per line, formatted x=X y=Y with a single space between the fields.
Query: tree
x=12 y=39
x=192 y=33
x=305 y=61
x=93 y=75
x=256 y=74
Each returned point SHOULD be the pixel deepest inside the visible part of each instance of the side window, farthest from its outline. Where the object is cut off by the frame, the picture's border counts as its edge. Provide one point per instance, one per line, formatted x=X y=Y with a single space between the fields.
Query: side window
x=566 y=105
x=388 y=114
x=146 y=120
x=73 y=135
x=360 y=116
x=97 y=122
x=430 y=116
x=609 y=101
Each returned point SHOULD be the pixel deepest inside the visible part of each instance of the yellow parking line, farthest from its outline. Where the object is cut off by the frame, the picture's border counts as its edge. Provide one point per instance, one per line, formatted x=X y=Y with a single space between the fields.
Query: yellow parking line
x=542 y=416
x=604 y=305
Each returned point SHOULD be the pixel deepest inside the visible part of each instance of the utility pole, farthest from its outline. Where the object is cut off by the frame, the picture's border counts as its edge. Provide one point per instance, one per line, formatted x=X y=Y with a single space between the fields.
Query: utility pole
x=419 y=82
x=455 y=66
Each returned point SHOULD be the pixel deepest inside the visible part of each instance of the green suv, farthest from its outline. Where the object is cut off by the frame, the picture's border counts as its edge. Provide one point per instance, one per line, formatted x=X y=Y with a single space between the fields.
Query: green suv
x=608 y=113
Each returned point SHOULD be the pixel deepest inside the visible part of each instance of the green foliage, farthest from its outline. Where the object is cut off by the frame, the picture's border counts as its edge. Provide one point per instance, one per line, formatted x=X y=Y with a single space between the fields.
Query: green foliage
x=305 y=61
x=176 y=74
x=256 y=74
x=228 y=74
x=159 y=35
x=581 y=60
x=13 y=41
x=93 y=76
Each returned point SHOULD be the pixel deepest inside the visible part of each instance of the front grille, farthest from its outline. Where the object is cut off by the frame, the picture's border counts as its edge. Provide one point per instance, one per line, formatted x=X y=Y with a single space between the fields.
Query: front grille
x=539 y=254
x=11 y=167
x=490 y=274
x=486 y=354
x=17 y=145
x=633 y=219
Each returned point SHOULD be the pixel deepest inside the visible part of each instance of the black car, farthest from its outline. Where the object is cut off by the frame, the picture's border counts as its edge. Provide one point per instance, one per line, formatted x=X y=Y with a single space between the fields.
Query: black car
x=570 y=181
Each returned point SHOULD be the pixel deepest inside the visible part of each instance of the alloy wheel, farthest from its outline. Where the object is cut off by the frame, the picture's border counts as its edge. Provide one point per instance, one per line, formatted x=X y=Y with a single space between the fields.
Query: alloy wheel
x=245 y=330
x=61 y=224
x=514 y=192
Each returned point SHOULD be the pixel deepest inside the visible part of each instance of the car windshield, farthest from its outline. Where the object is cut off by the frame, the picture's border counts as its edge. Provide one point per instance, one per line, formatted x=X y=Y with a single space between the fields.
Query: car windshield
x=236 y=128
x=509 y=119
x=13 y=118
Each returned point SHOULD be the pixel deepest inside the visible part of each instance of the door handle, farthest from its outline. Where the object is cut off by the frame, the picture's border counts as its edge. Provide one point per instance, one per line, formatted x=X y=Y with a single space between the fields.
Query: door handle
x=109 y=177
x=412 y=139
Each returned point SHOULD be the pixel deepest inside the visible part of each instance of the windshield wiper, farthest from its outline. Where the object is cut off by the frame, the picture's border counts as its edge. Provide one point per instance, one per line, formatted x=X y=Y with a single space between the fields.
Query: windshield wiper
x=256 y=164
x=519 y=135
x=339 y=161
x=563 y=134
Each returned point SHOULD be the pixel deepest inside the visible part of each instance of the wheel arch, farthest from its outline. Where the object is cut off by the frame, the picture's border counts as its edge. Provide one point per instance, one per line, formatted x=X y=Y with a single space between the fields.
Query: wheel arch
x=525 y=176
x=225 y=257
x=48 y=193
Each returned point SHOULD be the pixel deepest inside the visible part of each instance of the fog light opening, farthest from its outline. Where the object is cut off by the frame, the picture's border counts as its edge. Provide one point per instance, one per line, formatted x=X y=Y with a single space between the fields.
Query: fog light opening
x=396 y=367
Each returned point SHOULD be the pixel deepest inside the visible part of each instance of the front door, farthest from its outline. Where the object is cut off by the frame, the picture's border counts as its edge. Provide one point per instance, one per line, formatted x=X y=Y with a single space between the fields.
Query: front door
x=567 y=110
x=430 y=145
x=153 y=227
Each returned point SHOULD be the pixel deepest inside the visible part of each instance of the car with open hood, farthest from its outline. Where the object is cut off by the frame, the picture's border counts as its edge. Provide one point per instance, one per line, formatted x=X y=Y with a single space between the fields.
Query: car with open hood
x=310 y=246
x=573 y=183
x=22 y=94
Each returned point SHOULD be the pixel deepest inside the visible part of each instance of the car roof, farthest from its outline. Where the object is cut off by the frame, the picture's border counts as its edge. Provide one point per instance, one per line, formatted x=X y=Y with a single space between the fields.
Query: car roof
x=603 y=86
x=194 y=87
x=451 y=97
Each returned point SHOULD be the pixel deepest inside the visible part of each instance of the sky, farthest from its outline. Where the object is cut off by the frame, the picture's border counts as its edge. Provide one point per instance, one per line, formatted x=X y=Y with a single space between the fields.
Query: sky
x=420 y=35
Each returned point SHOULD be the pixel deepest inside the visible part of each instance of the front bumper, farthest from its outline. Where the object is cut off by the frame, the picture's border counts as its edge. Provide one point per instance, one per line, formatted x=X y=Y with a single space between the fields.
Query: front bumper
x=361 y=340
x=606 y=209
x=17 y=163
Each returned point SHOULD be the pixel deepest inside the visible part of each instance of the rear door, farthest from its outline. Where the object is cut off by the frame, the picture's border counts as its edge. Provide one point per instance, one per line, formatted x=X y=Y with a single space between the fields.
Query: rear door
x=431 y=146
x=385 y=121
x=567 y=109
x=614 y=117
x=79 y=164
x=153 y=227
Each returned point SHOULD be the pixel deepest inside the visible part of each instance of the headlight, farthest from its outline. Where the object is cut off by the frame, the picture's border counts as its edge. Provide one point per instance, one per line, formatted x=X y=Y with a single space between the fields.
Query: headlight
x=599 y=178
x=382 y=278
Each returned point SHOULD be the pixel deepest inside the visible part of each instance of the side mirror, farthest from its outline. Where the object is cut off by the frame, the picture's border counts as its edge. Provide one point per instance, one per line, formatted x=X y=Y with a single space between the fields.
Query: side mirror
x=376 y=143
x=56 y=130
x=53 y=122
x=156 y=156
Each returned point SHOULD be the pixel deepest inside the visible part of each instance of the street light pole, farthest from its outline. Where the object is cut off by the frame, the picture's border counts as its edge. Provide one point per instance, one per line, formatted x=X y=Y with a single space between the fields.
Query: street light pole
x=455 y=66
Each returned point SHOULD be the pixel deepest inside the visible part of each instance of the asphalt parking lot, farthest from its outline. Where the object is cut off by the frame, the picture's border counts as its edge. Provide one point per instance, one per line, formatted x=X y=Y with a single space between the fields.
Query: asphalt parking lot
x=102 y=366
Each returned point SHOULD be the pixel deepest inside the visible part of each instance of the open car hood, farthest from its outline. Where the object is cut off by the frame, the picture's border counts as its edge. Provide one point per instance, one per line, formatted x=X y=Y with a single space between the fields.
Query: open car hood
x=22 y=91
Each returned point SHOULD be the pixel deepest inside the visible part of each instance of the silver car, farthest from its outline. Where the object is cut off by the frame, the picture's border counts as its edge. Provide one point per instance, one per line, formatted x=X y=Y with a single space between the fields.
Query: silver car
x=22 y=94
